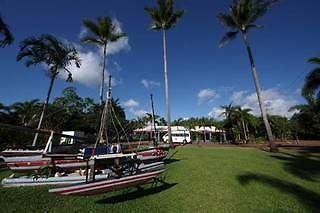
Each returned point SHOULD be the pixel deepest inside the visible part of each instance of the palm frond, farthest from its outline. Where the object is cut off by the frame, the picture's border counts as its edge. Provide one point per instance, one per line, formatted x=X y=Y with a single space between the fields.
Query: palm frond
x=314 y=60
x=115 y=37
x=50 y=51
x=91 y=26
x=229 y=36
x=164 y=16
x=7 y=35
x=311 y=85
x=92 y=40
x=259 y=8
x=227 y=21
x=174 y=18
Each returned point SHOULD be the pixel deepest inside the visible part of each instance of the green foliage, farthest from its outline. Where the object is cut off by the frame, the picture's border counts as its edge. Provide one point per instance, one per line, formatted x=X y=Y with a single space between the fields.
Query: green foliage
x=103 y=32
x=164 y=17
x=241 y=17
x=281 y=127
x=67 y=112
x=7 y=37
x=306 y=121
x=49 y=50
x=311 y=87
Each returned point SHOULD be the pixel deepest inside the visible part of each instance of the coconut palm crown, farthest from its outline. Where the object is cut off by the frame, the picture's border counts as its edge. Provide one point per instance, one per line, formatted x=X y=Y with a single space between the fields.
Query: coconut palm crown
x=311 y=85
x=242 y=16
x=6 y=34
x=164 y=17
x=46 y=49
x=101 y=33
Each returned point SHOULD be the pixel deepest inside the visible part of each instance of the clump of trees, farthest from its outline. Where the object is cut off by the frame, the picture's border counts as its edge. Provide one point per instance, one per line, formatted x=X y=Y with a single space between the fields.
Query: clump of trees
x=67 y=112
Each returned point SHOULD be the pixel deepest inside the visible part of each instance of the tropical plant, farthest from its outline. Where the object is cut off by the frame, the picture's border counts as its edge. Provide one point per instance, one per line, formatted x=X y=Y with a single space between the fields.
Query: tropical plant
x=306 y=120
x=26 y=112
x=103 y=32
x=48 y=50
x=311 y=87
x=164 y=17
x=7 y=35
x=241 y=18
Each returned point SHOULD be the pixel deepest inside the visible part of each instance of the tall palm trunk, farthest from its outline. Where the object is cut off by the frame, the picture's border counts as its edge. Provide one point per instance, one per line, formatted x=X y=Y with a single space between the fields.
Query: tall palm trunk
x=244 y=130
x=45 y=105
x=166 y=85
x=258 y=91
x=103 y=72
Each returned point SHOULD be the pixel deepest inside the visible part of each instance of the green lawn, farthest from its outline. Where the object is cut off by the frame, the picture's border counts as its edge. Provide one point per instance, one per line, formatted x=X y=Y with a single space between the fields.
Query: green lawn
x=199 y=179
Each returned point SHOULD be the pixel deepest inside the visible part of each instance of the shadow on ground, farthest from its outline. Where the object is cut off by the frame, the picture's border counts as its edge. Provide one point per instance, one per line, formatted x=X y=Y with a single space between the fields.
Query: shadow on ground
x=138 y=193
x=304 y=164
x=308 y=198
x=171 y=159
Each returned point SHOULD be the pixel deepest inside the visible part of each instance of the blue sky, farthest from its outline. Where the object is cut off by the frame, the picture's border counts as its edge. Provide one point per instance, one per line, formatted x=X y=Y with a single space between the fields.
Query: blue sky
x=201 y=76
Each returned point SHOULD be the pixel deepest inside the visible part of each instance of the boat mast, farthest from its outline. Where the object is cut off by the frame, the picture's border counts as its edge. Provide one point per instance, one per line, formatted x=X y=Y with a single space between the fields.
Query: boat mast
x=153 y=122
x=104 y=117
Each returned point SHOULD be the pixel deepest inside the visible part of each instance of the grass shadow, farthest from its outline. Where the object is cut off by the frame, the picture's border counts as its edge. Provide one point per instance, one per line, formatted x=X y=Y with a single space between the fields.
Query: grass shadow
x=303 y=164
x=308 y=198
x=136 y=194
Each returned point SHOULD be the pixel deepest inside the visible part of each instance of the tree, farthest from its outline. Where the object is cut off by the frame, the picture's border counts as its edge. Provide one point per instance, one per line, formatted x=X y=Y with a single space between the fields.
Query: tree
x=312 y=83
x=7 y=35
x=244 y=118
x=241 y=18
x=26 y=112
x=48 y=50
x=103 y=32
x=164 y=18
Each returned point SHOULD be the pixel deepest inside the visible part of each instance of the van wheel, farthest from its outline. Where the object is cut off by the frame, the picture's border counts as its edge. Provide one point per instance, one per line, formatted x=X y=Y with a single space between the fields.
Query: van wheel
x=184 y=141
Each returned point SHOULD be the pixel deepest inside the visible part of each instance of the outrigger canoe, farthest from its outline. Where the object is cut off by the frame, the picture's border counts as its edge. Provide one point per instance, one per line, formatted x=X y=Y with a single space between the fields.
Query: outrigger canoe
x=101 y=186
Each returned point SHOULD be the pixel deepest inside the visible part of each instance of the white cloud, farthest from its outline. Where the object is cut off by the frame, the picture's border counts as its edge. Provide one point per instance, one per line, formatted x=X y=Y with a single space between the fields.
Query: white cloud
x=140 y=113
x=89 y=72
x=216 y=113
x=275 y=103
x=83 y=32
x=207 y=95
x=120 y=44
x=131 y=103
x=147 y=84
x=237 y=97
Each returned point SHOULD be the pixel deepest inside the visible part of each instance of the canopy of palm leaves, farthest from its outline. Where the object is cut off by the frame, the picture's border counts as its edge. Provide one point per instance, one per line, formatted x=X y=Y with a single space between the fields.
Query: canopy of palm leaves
x=50 y=51
x=311 y=86
x=242 y=16
x=164 y=17
x=7 y=35
x=103 y=31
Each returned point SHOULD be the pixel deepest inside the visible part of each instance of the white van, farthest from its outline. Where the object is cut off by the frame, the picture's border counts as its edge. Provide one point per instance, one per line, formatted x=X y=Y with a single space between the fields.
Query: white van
x=180 y=136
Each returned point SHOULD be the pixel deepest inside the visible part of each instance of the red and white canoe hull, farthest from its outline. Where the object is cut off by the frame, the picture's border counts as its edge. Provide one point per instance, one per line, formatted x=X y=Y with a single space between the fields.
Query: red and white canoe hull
x=27 y=161
x=152 y=155
x=102 y=186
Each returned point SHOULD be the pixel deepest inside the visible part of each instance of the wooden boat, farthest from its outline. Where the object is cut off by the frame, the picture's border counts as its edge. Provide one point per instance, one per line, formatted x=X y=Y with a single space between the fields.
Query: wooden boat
x=101 y=186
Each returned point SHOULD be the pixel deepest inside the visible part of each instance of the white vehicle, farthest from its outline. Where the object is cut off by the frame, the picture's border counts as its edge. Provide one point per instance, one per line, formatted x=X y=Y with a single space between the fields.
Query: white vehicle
x=181 y=136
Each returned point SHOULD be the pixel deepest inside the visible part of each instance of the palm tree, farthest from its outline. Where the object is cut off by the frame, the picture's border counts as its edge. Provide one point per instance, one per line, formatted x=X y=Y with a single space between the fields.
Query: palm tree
x=26 y=111
x=244 y=117
x=103 y=32
x=163 y=18
x=7 y=35
x=312 y=82
x=48 y=50
x=240 y=18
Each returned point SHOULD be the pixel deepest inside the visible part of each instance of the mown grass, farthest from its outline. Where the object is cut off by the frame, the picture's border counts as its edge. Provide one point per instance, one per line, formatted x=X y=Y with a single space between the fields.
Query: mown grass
x=198 y=179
